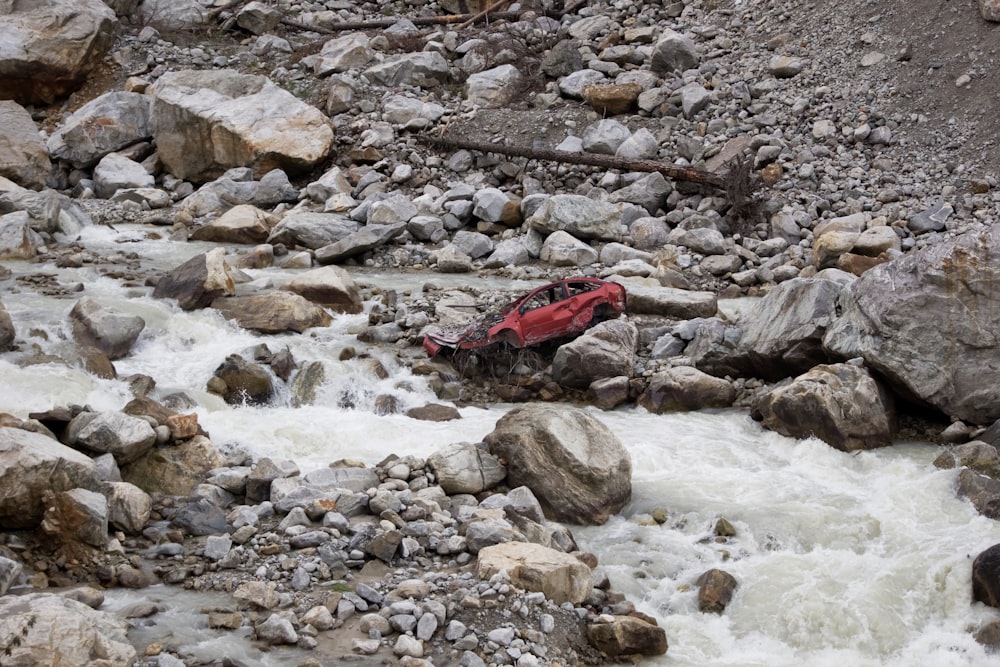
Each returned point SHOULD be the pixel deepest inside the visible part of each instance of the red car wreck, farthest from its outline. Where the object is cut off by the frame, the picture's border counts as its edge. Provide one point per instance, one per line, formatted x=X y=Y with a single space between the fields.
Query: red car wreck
x=556 y=310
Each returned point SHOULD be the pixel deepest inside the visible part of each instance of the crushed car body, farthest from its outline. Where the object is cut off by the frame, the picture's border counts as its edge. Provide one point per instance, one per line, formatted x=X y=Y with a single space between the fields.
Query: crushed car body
x=556 y=310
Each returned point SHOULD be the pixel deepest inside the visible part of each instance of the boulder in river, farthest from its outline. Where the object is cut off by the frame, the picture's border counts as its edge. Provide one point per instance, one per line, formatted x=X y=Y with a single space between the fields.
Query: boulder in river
x=243 y=223
x=466 y=468
x=25 y=159
x=274 y=312
x=986 y=577
x=105 y=124
x=7 y=331
x=110 y=332
x=176 y=469
x=686 y=388
x=562 y=577
x=576 y=467
x=841 y=404
x=625 y=636
x=198 y=281
x=604 y=351
x=328 y=286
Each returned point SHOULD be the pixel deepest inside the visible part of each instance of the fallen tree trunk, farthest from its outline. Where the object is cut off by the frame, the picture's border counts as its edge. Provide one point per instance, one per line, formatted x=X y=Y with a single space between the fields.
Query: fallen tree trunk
x=447 y=19
x=671 y=171
x=739 y=183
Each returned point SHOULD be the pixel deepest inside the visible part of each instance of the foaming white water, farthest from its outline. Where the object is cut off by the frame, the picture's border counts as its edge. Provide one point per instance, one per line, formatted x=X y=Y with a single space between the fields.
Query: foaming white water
x=841 y=559
x=859 y=559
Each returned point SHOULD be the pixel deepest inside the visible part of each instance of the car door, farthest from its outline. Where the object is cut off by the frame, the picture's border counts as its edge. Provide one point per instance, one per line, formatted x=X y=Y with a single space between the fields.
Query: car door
x=549 y=316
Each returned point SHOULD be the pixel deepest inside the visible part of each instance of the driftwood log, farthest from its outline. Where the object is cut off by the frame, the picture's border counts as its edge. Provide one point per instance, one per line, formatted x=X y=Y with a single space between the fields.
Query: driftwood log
x=739 y=183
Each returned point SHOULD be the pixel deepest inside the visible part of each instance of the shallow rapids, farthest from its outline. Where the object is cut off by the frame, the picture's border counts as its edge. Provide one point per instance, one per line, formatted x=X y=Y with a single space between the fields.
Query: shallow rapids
x=842 y=559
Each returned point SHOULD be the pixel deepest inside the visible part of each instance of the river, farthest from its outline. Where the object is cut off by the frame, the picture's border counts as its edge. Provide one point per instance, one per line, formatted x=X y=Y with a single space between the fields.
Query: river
x=857 y=559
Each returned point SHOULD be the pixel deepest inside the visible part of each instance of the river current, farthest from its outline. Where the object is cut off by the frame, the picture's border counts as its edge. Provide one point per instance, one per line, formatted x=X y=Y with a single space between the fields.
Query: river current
x=857 y=559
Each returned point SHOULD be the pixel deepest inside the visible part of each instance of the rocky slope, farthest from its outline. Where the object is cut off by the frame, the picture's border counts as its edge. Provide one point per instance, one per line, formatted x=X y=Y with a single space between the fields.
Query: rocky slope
x=294 y=141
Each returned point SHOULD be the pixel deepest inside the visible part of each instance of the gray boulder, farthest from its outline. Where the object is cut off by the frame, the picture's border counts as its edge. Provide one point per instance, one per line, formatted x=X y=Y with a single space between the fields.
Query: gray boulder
x=669 y=302
x=328 y=286
x=423 y=68
x=252 y=123
x=49 y=211
x=116 y=172
x=241 y=224
x=783 y=334
x=604 y=351
x=121 y=435
x=580 y=216
x=576 y=467
x=466 y=468
x=312 y=230
x=673 y=52
x=25 y=159
x=563 y=249
x=197 y=282
x=17 y=238
x=105 y=124
x=931 y=334
x=174 y=470
x=43 y=621
x=173 y=14
x=344 y=53
x=50 y=46
x=129 y=507
x=495 y=87
x=365 y=239
x=841 y=404
x=684 y=388
x=77 y=516
x=31 y=465
x=272 y=313
x=110 y=332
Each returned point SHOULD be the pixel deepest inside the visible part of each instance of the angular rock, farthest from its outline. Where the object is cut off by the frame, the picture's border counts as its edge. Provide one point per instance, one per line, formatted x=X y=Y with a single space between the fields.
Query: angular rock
x=580 y=216
x=25 y=159
x=32 y=464
x=116 y=172
x=685 y=388
x=669 y=302
x=625 y=636
x=563 y=249
x=83 y=636
x=606 y=350
x=673 y=52
x=574 y=464
x=17 y=238
x=241 y=224
x=129 y=507
x=560 y=576
x=244 y=381
x=123 y=436
x=466 y=468
x=197 y=282
x=841 y=404
x=932 y=335
x=110 y=332
x=77 y=515
x=495 y=87
x=715 y=591
x=312 y=230
x=50 y=46
x=976 y=455
x=174 y=470
x=329 y=286
x=365 y=239
x=106 y=124
x=423 y=68
x=275 y=312
x=206 y=121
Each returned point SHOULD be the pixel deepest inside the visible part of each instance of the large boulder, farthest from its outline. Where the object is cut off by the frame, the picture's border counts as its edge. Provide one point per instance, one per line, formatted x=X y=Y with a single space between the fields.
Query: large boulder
x=927 y=323
x=32 y=464
x=48 y=211
x=77 y=516
x=466 y=468
x=576 y=467
x=275 y=312
x=25 y=159
x=123 y=436
x=328 y=286
x=685 y=388
x=579 y=216
x=678 y=304
x=311 y=229
x=18 y=240
x=560 y=576
x=367 y=238
x=627 y=636
x=841 y=404
x=48 y=47
x=54 y=629
x=103 y=125
x=783 y=334
x=986 y=577
x=604 y=351
x=241 y=224
x=174 y=470
x=207 y=121
x=110 y=332
x=198 y=281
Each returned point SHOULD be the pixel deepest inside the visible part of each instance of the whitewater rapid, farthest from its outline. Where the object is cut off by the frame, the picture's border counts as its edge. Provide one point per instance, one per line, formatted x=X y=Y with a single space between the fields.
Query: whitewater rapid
x=859 y=559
